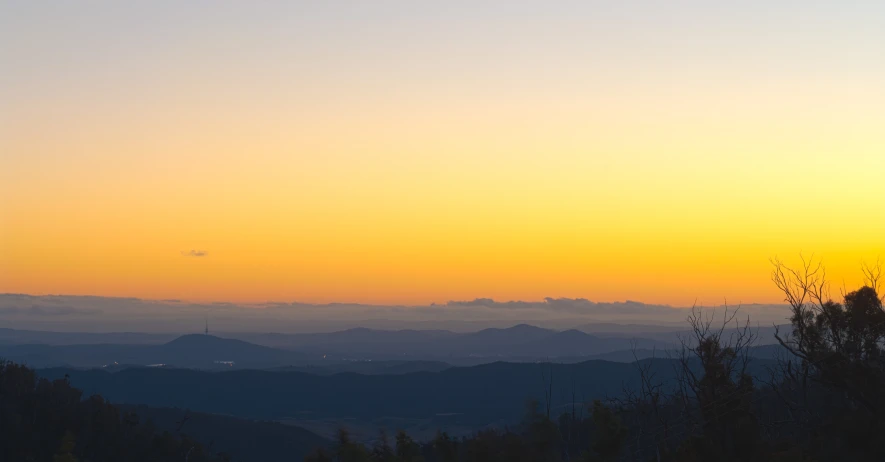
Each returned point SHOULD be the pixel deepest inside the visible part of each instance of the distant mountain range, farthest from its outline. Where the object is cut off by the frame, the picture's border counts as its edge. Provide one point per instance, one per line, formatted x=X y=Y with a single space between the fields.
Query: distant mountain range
x=340 y=351
x=197 y=351
x=23 y=337
x=521 y=342
x=366 y=377
x=383 y=367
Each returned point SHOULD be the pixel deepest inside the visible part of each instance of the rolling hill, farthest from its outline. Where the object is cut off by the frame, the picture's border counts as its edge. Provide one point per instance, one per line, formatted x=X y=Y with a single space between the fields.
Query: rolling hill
x=242 y=439
x=200 y=351
x=476 y=396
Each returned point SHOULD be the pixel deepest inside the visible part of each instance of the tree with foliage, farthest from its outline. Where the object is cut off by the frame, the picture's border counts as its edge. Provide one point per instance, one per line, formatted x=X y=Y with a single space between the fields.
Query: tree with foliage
x=348 y=450
x=713 y=375
x=43 y=420
x=382 y=451
x=65 y=451
x=609 y=435
x=407 y=450
x=834 y=381
x=444 y=447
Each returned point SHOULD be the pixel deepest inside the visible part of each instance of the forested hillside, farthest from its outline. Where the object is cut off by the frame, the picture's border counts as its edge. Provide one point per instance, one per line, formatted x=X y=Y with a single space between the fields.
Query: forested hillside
x=43 y=420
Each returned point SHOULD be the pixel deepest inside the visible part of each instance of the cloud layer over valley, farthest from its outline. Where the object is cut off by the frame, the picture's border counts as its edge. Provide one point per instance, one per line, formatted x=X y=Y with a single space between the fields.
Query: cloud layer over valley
x=110 y=314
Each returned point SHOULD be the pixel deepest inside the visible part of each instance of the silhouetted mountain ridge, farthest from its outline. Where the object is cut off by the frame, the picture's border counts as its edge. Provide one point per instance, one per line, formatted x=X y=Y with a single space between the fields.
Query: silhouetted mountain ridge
x=477 y=395
x=243 y=440
x=521 y=342
x=202 y=351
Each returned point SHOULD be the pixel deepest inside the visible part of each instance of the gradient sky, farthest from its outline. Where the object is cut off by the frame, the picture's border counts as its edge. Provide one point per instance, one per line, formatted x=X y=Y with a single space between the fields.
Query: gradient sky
x=408 y=152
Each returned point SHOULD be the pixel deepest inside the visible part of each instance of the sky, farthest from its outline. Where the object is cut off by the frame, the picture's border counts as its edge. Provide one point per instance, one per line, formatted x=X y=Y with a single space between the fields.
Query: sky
x=399 y=152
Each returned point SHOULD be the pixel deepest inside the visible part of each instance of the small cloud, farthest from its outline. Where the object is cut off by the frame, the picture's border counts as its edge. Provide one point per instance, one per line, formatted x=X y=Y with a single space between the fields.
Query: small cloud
x=194 y=253
x=487 y=302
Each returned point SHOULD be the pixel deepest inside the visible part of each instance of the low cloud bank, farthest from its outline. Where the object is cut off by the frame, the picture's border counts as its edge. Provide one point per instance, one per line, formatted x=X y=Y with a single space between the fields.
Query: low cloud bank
x=111 y=314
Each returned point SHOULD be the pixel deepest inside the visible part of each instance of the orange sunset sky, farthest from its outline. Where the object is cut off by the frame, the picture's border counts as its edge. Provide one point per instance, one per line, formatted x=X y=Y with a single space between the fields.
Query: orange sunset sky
x=403 y=152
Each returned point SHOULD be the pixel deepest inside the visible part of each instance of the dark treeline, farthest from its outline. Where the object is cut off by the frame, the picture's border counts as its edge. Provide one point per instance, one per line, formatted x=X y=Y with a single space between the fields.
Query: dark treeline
x=43 y=420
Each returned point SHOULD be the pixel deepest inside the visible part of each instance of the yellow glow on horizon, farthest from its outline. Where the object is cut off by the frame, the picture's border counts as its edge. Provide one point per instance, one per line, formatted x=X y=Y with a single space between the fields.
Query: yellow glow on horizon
x=369 y=172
